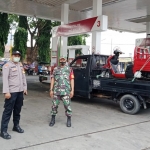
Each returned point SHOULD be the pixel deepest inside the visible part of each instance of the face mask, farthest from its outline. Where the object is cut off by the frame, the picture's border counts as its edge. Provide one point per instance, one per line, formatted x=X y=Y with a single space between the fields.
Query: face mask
x=62 y=63
x=16 y=59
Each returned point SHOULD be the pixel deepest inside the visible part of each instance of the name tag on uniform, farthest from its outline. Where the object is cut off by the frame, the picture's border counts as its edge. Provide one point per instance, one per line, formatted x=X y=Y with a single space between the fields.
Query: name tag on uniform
x=14 y=69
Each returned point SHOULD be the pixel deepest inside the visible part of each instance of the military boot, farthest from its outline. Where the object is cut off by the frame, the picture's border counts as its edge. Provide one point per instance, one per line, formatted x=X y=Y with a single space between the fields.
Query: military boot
x=69 y=121
x=52 y=121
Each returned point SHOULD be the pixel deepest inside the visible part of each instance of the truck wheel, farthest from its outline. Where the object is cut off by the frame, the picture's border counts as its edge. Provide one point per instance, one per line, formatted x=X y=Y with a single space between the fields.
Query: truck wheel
x=129 y=104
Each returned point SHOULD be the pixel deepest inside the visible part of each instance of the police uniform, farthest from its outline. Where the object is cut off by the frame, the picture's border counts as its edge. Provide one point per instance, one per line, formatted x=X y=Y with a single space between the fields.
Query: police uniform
x=14 y=82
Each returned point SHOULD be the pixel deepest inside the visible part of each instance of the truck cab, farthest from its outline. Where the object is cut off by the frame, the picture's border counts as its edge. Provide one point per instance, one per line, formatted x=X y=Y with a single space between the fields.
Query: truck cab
x=85 y=67
x=91 y=80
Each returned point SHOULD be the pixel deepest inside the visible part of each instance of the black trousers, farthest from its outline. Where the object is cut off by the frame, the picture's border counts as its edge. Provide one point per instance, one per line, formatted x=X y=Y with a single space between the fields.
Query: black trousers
x=14 y=104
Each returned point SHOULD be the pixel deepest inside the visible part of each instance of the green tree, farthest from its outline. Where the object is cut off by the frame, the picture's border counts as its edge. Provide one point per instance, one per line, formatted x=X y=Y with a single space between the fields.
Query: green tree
x=20 y=41
x=34 y=26
x=23 y=23
x=77 y=40
x=56 y=23
x=43 y=41
x=4 y=31
x=31 y=24
x=21 y=36
x=13 y=20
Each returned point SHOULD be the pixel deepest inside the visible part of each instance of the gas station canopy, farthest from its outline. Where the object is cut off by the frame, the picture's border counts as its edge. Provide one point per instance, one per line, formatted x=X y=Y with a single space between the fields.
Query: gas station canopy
x=123 y=15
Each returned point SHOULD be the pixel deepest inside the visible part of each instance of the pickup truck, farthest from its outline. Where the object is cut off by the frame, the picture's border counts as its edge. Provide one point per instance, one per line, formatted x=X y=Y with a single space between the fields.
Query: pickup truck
x=89 y=83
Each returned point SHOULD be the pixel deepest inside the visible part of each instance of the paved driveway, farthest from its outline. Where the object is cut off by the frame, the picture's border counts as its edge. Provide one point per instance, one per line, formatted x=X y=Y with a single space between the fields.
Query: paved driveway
x=96 y=125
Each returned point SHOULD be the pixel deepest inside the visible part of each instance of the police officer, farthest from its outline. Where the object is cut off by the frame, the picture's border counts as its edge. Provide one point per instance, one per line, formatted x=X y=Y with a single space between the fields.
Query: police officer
x=14 y=86
x=62 y=88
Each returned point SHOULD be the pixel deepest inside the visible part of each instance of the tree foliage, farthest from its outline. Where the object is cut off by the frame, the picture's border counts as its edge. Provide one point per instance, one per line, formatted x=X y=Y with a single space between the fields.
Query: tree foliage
x=32 y=24
x=77 y=40
x=23 y=23
x=35 y=28
x=4 y=31
x=56 y=23
x=43 y=38
x=20 y=41
x=13 y=20
x=21 y=36
x=43 y=41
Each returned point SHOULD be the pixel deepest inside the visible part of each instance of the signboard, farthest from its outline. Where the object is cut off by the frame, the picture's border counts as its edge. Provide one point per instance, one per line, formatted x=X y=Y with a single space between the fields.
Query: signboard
x=98 y=23
x=125 y=59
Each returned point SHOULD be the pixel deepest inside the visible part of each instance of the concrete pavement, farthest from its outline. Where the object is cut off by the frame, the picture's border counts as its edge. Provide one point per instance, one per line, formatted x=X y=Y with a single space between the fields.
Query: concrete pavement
x=96 y=125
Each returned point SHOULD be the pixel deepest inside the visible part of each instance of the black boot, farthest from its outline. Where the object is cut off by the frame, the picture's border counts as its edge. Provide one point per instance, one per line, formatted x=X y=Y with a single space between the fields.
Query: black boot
x=18 y=129
x=69 y=121
x=52 y=121
x=5 y=135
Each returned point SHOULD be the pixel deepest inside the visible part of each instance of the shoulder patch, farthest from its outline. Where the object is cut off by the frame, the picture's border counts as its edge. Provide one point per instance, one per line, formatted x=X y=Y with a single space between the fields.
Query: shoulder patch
x=6 y=65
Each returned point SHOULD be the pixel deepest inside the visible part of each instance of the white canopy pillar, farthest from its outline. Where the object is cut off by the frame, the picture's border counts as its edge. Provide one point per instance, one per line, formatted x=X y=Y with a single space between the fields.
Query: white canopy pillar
x=54 y=52
x=64 y=20
x=148 y=29
x=96 y=36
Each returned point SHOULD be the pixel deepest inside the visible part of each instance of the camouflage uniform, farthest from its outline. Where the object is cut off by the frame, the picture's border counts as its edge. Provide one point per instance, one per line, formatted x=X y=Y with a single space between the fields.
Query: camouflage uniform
x=62 y=88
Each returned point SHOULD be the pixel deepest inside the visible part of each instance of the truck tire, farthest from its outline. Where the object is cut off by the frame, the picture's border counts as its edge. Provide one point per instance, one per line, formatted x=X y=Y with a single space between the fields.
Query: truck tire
x=129 y=104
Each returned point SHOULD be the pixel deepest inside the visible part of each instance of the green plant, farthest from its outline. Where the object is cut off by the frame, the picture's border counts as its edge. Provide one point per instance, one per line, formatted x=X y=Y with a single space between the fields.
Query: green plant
x=20 y=41
x=43 y=41
x=4 y=31
x=23 y=23
x=77 y=40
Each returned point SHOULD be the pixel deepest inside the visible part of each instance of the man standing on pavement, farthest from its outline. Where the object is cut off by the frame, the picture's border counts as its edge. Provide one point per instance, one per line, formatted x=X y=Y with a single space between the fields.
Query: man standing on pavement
x=14 y=86
x=62 y=88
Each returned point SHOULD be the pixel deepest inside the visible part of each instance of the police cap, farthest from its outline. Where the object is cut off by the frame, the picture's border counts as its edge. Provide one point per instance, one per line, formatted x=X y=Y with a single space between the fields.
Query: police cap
x=16 y=53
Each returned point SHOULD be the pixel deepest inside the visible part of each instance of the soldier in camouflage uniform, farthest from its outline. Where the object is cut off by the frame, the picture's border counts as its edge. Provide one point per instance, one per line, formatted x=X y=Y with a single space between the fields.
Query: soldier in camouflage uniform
x=62 y=88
